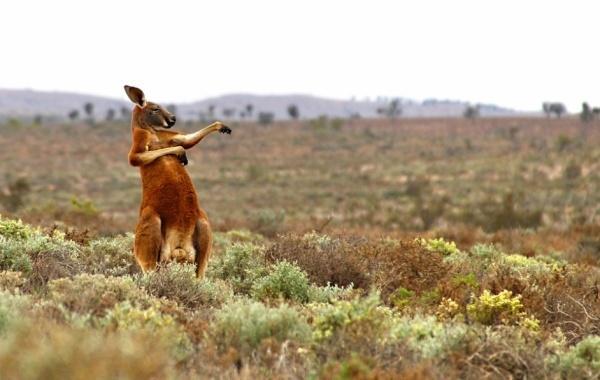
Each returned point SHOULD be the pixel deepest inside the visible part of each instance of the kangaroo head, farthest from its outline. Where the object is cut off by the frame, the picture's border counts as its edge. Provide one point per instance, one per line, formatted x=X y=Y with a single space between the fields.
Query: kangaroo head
x=148 y=114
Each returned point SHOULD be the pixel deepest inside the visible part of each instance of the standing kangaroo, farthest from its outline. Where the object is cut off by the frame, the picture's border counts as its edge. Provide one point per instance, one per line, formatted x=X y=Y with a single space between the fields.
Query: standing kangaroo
x=171 y=224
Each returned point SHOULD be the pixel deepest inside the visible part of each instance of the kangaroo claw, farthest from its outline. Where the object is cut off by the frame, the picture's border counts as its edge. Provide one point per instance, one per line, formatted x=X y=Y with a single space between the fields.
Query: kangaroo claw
x=183 y=159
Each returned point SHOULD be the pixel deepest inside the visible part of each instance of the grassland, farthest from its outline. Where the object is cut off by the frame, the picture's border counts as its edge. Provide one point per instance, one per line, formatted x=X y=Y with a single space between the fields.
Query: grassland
x=440 y=248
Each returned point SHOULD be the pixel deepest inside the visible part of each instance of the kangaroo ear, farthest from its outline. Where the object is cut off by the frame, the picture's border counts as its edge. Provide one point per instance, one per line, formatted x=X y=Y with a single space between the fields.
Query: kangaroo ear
x=136 y=95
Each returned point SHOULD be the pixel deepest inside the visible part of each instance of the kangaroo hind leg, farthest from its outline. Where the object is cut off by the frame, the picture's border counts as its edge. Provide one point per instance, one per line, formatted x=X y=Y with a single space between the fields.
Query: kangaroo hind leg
x=202 y=245
x=148 y=239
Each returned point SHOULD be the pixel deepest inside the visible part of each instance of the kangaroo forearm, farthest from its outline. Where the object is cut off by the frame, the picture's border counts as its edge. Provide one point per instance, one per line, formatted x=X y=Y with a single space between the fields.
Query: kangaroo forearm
x=191 y=139
x=144 y=158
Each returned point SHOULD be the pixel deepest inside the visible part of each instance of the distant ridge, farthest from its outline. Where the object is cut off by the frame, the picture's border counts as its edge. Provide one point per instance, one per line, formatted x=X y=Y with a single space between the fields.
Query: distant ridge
x=57 y=105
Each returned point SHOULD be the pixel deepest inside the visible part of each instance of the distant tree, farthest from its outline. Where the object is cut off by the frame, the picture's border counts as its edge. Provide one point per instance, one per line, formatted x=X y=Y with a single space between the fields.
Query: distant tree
x=172 y=108
x=471 y=112
x=596 y=112
x=249 y=109
x=586 y=114
x=73 y=115
x=293 y=111
x=89 y=109
x=546 y=108
x=554 y=108
x=110 y=114
x=125 y=113
x=37 y=119
x=228 y=112
x=265 y=118
x=392 y=110
x=211 y=111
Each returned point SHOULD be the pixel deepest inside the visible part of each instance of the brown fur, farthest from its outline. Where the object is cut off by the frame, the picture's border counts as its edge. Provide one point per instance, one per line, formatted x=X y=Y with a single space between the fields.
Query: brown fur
x=171 y=226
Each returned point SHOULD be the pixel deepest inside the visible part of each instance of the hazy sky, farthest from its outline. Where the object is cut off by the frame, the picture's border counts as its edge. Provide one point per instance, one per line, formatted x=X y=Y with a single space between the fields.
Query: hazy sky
x=513 y=53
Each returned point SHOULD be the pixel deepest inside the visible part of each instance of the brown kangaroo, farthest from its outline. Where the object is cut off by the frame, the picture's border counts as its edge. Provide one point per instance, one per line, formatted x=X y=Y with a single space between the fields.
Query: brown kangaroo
x=171 y=224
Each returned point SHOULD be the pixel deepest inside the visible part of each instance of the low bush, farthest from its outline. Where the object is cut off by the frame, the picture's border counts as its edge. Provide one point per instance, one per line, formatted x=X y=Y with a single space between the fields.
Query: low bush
x=243 y=325
x=15 y=229
x=13 y=257
x=12 y=307
x=224 y=239
x=240 y=264
x=386 y=264
x=360 y=319
x=330 y=293
x=178 y=282
x=41 y=257
x=581 y=361
x=110 y=256
x=326 y=260
x=285 y=281
x=405 y=264
x=490 y=309
x=95 y=294
x=33 y=351
x=427 y=336
x=125 y=316
x=11 y=281
x=439 y=245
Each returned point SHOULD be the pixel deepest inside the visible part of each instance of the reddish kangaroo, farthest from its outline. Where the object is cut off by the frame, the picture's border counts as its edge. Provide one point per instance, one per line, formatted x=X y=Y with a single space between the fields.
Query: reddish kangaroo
x=171 y=224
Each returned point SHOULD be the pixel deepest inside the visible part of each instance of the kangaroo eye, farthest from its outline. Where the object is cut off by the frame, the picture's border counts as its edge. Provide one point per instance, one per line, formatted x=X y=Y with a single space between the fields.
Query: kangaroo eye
x=156 y=110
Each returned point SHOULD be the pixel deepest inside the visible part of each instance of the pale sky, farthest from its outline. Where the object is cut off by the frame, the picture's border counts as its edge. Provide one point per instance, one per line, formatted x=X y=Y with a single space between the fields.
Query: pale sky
x=512 y=53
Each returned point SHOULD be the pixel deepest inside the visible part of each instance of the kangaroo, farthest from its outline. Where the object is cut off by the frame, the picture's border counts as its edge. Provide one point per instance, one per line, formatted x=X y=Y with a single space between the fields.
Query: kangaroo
x=171 y=225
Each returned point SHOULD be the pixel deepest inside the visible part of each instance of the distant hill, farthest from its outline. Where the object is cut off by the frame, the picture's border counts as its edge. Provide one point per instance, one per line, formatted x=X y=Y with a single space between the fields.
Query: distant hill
x=57 y=105
x=28 y=103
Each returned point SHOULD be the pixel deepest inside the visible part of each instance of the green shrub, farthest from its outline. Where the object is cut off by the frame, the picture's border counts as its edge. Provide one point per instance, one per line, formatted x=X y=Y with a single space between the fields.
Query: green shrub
x=427 y=336
x=330 y=293
x=530 y=267
x=224 y=239
x=15 y=229
x=440 y=245
x=94 y=294
x=179 y=283
x=243 y=325
x=581 y=361
x=41 y=257
x=284 y=281
x=401 y=297
x=490 y=309
x=469 y=280
x=110 y=256
x=13 y=257
x=241 y=264
x=485 y=251
x=127 y=317
x=360 y=318
x=11 y=308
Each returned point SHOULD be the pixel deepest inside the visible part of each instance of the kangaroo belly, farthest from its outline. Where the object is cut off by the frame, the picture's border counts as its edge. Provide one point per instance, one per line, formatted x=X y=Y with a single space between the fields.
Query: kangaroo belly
x=168 y=189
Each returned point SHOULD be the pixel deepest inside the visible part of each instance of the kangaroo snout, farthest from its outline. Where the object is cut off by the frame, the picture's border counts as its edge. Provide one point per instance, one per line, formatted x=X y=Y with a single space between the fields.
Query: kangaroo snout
x=171 y=121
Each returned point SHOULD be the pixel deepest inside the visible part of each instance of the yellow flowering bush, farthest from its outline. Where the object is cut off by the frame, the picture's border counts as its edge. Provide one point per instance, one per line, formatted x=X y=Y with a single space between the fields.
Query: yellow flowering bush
x=490 y=309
